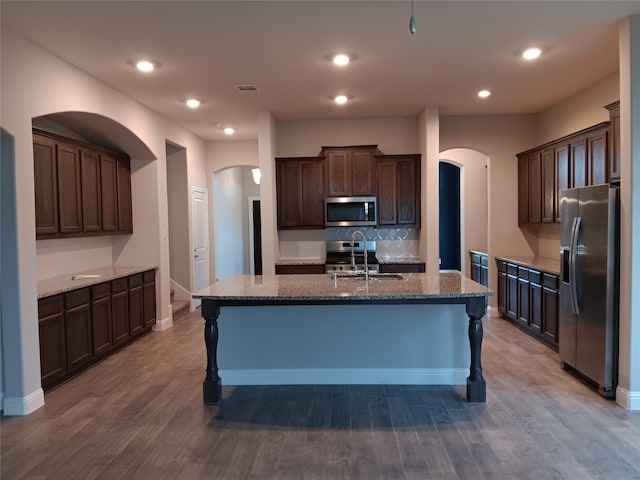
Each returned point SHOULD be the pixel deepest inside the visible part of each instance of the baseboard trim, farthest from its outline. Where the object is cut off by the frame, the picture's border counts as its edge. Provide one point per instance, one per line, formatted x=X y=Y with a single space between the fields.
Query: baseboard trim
x=13 y=406
x=627 y=399
x=164 y=323
x=346 y=376
x=493 y=312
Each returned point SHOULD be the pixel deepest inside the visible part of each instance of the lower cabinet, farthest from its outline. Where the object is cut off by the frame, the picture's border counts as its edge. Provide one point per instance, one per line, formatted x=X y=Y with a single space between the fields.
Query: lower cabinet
x=82 y=326
x=299 y=269
x=402 y=267
x=530 y=299
x=479 y=267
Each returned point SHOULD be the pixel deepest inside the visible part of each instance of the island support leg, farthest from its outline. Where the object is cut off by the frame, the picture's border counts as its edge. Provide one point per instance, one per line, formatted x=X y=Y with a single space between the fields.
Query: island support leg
x=476 y=386
x=212 y=385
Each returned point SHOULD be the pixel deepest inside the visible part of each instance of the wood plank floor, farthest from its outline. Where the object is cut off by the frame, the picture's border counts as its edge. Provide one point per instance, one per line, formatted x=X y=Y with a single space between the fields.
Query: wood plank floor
x=139 y=415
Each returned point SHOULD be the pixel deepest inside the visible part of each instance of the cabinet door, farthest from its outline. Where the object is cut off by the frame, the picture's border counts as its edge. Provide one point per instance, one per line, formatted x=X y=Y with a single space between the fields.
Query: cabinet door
x=102 y=327
x=535 y=188
x=614 y=140
x=120 y=310
x=408 y=190
x=578 y=150
x=523 y=302
x=125 y=217
x=387 y=195
x=45 y=186
x=512 y=297
x=149 y=298
x=91 y=204
x=288 y=190
x=523 y=190
x=312 y=194
x=362 y=173
x=69 y=189
x=535 y=301
x=338 y=177
x=550 y=315
x=136 y=305
x=78 y=326
x=108 y=193
x=502 y=292
x=548 y=186
x=597 y=154
x=563 y=175
x=53 y=345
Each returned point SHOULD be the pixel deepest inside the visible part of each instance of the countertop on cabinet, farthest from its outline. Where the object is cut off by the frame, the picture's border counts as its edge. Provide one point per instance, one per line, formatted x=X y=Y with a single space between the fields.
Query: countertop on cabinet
x=66 y=283
x=400 y=260
x=301 y=261
x=543 y=264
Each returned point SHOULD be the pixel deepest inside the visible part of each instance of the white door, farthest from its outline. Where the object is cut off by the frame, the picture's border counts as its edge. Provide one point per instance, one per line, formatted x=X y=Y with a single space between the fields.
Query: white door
x=200 y=230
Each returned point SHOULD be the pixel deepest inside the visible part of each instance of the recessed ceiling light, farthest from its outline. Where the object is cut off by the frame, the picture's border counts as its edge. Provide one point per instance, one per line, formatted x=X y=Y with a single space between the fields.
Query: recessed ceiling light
x=341 y=59
x=340 y=99
x=484 y=93
x=531 y=53
x=229 y=131
x=145 y=66
x=193 y=103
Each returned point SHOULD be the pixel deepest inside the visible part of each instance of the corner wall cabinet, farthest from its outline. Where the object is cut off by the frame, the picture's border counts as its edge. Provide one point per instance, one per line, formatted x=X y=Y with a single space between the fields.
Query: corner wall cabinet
x=300 y=192
x=399 y=190
x=581 y=159
x=80 y=189
x=529 y=298
x=80 y=327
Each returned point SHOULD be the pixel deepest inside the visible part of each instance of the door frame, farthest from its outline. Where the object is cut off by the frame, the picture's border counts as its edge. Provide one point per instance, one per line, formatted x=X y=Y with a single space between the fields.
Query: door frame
x=250 y=201
x=195 y=303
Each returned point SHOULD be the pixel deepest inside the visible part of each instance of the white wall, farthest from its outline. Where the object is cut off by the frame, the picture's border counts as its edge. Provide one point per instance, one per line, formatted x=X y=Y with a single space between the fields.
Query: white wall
x=179 y=217
x=35 y=83
x=229 y=230
x=473 y=190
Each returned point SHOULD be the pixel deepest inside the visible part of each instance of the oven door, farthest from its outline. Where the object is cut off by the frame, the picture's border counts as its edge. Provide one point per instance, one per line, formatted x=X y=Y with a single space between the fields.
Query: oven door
x=350 y=211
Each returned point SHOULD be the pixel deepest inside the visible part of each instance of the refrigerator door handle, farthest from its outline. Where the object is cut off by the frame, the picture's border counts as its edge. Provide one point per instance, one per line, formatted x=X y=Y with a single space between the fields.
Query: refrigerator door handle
x=575 y=229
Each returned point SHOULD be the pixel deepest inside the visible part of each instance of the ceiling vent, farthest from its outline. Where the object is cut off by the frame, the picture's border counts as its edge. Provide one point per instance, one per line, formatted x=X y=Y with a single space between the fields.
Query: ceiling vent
x=247 y=88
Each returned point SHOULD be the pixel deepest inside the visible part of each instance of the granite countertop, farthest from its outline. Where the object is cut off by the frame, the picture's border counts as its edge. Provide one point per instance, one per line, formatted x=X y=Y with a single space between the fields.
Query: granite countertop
x=66 y=283
x=323 y=287
x=401 y=260
x=548 y=265
x=301 y=261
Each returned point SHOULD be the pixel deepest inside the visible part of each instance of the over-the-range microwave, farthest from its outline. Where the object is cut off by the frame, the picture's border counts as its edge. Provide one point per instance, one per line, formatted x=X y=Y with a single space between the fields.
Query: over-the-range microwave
x=350 y=211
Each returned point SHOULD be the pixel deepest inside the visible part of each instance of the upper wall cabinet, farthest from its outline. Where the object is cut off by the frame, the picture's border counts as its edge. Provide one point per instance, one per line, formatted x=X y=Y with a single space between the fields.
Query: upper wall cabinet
x=300 y=192
x=399 y=190
x=80 y=190
x=351 y=171
x=576 y=160
x=614 y=141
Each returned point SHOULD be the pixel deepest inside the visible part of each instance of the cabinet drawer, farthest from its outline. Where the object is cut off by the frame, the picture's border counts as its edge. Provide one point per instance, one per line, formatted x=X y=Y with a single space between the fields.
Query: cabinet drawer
x=523 y=273
x=535 y=277
x=512 y=269
x=76 y=298
x=502 y=266
x=135 y=280
x=550 y=281
x=475 y=258
x=484 y=260
x=100 y=291
x=149 y=276
x=50 y=306
x=119 y=285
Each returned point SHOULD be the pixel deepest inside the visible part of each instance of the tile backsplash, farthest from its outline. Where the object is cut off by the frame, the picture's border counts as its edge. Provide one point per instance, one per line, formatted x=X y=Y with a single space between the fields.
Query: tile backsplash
x=391 y=242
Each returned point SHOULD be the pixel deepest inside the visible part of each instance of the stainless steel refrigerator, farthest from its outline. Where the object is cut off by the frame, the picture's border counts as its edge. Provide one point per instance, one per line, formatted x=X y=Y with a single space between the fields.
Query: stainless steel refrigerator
x=589 y=290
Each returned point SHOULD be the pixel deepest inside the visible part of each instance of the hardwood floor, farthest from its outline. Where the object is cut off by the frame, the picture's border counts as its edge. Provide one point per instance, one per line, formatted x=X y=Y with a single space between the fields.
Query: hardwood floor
x=139 y=415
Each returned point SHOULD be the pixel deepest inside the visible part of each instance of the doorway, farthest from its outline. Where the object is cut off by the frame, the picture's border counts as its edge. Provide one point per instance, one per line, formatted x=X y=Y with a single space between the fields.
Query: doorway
x=255 y=237
x=449 y=194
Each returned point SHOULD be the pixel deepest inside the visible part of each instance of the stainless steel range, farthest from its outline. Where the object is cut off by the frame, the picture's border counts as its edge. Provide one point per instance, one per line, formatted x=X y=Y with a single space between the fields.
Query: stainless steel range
x=339 y=256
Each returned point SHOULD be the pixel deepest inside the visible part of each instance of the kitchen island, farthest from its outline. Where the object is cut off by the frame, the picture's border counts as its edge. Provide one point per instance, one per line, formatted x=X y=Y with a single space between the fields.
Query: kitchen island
x=344 y=292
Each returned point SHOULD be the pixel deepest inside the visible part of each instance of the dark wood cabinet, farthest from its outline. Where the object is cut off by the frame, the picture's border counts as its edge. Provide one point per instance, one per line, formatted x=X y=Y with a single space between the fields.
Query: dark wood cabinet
x=300 y=192
x=529 y=298
x=53 y=344
x=577 y=160
x=101 y=324
x=80 y=190
x=402 y=267
x=136 y=305
x=78 y=328
x=82 y=326
x=399 y=190
x=299 y=269
x=614 y=141
x=479 y=267
x=351 y=171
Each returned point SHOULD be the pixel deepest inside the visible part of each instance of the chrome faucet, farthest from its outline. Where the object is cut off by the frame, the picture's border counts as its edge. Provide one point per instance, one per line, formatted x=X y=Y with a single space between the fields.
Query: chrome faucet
x=353 y=256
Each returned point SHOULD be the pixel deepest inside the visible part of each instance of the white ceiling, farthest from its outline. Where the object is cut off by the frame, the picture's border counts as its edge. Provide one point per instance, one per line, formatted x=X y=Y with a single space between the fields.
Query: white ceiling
x=208 y=47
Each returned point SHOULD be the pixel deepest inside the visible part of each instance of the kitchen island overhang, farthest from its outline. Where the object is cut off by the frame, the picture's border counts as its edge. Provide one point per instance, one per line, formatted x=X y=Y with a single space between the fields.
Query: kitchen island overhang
x=324 y=289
